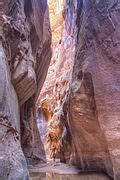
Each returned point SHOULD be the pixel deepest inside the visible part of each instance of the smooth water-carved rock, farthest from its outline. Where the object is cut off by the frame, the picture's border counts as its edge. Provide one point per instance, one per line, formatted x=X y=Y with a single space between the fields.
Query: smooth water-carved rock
x=89 y=103
x=97 y=63
x=24 y=35
x=27 y=39
x=54 y=91
x=80 y=99
x=12 y=160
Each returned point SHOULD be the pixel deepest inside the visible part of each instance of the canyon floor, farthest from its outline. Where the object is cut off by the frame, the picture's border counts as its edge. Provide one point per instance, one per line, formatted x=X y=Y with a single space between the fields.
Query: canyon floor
x=60 y=171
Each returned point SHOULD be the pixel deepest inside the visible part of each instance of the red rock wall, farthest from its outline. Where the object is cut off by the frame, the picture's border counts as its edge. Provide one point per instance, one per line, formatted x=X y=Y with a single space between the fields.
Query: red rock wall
x=94 y=95
x=89 y=109
x=80 y=97
x=54 y=91
x=25 y=36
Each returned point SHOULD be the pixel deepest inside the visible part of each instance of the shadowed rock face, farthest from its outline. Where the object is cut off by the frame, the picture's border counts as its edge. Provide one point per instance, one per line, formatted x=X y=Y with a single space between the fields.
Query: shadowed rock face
x=94 y=91
x=27 y=31
x=89 y=110
x=12 y=161
x=25 y=54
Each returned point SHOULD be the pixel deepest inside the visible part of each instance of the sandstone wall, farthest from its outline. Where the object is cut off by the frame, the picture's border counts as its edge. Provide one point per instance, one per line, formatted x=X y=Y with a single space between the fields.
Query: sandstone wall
x=80 y=99
x=54 y=91
x=25 y=52
x=12 y=161
x=86 y=108
x=94 y=90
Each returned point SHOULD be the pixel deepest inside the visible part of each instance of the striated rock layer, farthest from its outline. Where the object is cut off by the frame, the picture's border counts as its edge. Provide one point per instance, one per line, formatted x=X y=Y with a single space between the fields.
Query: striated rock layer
x=80 y=98
x=12 y=161
x=25 y=52
x=54 y=91
x=94 y=98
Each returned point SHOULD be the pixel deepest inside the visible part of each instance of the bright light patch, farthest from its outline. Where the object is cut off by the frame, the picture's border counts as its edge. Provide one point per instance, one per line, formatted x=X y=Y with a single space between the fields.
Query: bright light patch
x=56 y=18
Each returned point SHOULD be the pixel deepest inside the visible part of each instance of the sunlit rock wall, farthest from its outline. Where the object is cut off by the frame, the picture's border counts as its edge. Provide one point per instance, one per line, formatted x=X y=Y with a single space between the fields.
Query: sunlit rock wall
x=83 y=113
x=54 y=91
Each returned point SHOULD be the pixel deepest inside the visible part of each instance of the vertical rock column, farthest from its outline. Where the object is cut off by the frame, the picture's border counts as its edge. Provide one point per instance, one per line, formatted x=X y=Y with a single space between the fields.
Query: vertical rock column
x=95 y=89
x=12 y=160
x=27 y=40
x=54 y=91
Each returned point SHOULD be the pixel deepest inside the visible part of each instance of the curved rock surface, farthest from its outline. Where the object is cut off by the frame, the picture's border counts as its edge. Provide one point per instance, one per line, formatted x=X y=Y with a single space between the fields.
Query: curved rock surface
x=54 y=91
x=12 y=160
x=25 y=52
x=80 y=99
x=86 y=106
x=94 y=96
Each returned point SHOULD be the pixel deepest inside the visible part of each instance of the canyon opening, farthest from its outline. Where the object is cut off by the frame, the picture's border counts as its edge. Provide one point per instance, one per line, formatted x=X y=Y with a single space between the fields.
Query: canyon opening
x=59 y=89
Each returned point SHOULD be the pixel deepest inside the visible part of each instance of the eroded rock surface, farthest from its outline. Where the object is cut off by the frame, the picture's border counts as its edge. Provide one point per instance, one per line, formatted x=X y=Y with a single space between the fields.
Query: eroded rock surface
x=25 y=52
x=88 y=105
x=12 y=160
x=94 y=95
x=54 y=91
x=80 y=99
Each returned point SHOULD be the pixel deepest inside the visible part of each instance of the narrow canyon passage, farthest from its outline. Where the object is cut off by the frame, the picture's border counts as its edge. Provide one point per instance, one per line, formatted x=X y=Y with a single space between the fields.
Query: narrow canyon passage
x=56 y=85
x=59 y=89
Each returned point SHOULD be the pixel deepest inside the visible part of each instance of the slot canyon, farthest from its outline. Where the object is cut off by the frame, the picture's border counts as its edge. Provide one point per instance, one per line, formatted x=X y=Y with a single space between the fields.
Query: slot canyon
x=59 y=89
